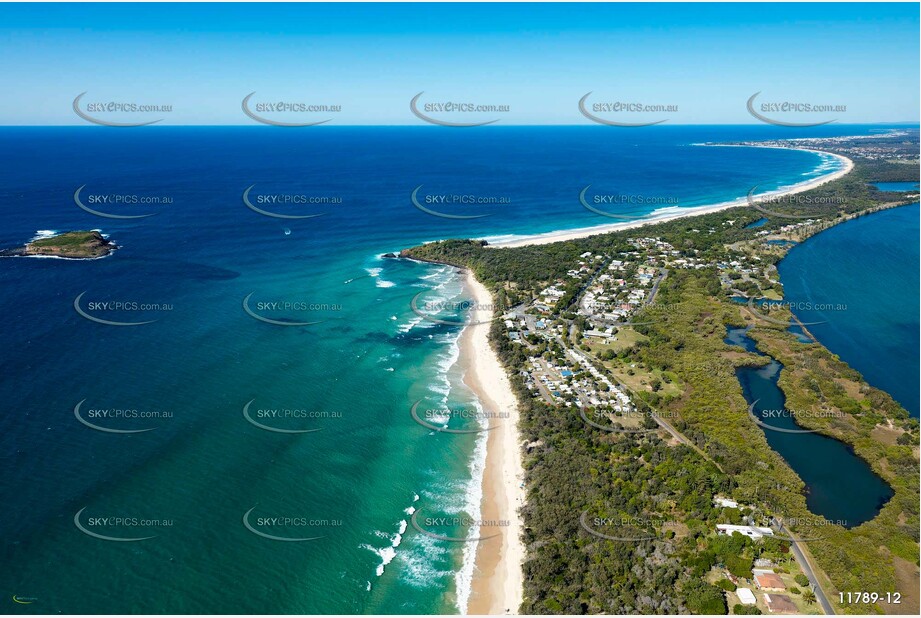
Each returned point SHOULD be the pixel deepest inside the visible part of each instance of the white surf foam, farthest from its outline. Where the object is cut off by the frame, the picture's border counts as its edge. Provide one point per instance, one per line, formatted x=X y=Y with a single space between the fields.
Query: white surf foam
x=473 y=498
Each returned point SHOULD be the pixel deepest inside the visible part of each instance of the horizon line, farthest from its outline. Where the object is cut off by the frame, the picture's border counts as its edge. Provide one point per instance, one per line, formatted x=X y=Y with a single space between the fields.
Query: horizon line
x=423 y=125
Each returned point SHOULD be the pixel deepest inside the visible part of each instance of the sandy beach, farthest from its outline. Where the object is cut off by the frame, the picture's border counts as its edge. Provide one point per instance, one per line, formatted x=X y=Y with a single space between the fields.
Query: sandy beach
x=564 y=235
x=497 y=586
x=497 y=578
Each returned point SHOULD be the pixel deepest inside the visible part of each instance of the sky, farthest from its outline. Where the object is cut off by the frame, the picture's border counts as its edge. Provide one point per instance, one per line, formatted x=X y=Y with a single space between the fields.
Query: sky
x=705 y=60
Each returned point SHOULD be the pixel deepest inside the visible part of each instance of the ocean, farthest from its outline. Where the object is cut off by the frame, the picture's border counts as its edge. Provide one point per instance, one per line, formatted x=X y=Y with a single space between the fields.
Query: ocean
x=219 y=477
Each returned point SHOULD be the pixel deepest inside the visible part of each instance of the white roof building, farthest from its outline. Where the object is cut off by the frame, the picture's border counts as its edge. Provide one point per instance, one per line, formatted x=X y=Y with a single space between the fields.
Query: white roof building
x=746 y=596
x=753 y=532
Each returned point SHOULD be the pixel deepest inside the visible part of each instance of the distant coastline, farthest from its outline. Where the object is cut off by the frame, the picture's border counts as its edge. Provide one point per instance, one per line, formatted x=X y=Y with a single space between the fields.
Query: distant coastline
x=872 y=451
x=584 y=232
x=497 y=586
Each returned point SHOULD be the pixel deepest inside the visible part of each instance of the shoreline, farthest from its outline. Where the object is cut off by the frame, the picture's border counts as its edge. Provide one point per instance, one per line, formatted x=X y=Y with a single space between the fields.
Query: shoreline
x=545 y=238
x=497 y=586
x=853 y=217
x=486 y=595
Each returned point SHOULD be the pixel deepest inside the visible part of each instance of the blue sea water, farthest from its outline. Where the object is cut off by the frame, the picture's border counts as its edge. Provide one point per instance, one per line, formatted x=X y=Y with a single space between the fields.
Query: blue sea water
x=353 y=375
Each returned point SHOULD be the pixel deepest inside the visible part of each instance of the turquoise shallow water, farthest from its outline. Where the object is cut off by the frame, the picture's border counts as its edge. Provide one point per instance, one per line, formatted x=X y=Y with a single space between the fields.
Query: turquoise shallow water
x=352 y=376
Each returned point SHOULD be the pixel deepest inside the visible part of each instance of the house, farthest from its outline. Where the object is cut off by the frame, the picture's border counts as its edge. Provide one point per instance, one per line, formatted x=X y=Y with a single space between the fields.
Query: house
x=768 y=580
x=598 y=333
x=746 y=596
x=755 y=533
x=725 y=503
x=780 y=604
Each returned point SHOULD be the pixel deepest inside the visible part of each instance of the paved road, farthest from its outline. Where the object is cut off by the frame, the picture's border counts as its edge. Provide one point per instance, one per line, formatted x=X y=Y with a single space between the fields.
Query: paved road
x=807 y=570
x=655 y=416
x=800 y=556
x=655 y=287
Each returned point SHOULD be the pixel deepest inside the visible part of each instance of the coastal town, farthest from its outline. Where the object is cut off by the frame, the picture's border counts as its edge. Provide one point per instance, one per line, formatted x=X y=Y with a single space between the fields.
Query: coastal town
x=468 y=308
x=572 y=339
x=567 y=346
x=884 y=145
x=563 y=369
x=577 y=334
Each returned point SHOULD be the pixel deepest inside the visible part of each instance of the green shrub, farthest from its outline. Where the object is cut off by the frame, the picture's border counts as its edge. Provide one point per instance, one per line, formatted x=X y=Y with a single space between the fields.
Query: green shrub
x=705 y=599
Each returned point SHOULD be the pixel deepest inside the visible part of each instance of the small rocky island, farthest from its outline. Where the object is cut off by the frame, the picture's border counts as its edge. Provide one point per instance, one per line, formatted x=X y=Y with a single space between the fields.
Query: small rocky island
x=82 y=245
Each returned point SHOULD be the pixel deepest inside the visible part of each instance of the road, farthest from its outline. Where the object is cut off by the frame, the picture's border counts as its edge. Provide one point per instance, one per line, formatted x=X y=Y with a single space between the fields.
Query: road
x=655 y=287
x=655 y=413
x=794 y=544
x=807 y=570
